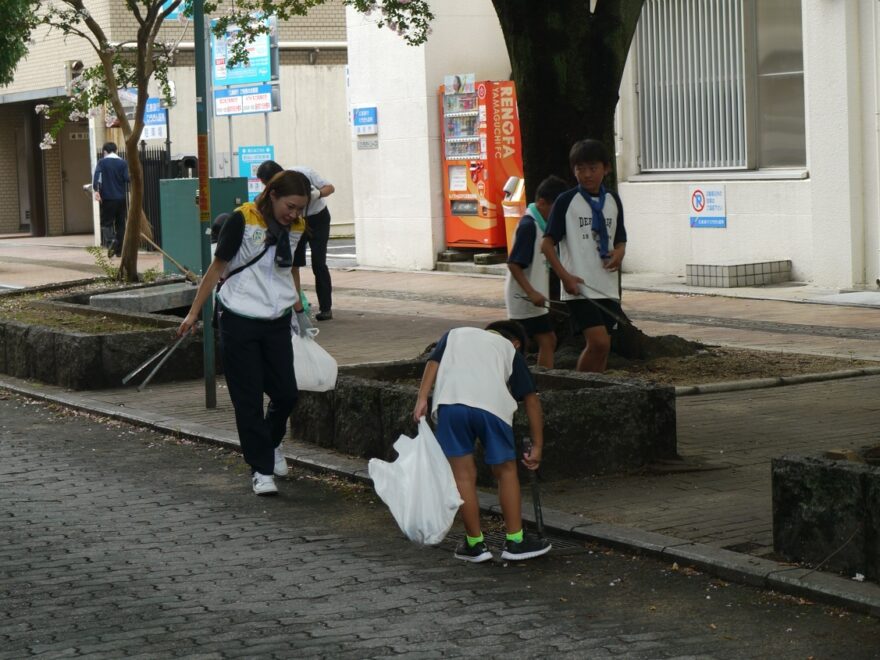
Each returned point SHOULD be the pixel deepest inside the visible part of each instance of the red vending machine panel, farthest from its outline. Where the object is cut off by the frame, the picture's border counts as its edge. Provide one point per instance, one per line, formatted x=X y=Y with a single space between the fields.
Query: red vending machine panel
x=481 y=150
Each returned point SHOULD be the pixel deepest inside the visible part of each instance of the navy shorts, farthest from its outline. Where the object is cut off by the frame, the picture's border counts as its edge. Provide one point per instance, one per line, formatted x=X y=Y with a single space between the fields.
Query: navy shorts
x=536 y=325
x=587 y=314
x=459 y=426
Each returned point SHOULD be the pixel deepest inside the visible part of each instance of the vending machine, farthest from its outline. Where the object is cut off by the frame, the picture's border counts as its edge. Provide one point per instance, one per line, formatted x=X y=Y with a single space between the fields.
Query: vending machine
x=482 y=150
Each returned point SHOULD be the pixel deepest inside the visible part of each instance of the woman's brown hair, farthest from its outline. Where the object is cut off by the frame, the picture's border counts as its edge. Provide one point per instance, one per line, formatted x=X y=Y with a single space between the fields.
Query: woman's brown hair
x=288 y=182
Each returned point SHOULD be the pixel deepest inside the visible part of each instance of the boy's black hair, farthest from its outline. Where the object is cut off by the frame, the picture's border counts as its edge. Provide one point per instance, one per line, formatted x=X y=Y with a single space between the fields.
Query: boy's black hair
x=588 y=151
x=551 y=188
x=510 y=330
x=109 y=148
x=268 y=169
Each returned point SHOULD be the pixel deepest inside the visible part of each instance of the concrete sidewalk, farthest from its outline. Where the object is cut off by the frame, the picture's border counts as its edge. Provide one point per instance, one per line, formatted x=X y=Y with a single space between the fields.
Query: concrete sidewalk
x=27 y=261
x=713 y=510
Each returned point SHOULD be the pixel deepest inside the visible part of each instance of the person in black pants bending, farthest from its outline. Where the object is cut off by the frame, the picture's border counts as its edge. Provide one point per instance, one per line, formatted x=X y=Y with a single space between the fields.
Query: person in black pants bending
x=317 y=234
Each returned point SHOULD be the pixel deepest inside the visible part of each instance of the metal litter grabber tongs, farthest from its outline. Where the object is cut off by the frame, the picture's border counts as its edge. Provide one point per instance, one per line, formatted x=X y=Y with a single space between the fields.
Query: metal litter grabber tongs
x=536 y=494
x=164 y=353
x=548 y=305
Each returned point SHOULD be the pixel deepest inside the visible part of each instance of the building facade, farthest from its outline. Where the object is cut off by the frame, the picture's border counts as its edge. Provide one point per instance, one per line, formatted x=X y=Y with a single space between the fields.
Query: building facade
x=773 y=104
x=46 y=186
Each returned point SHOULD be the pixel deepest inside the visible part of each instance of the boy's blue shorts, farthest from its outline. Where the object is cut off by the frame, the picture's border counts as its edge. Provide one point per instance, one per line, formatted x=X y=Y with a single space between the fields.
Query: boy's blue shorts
x=459 y=426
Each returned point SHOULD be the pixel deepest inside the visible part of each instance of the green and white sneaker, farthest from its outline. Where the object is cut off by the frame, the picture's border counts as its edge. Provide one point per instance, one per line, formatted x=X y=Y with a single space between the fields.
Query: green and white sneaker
x=474 y=554
x=529 y=548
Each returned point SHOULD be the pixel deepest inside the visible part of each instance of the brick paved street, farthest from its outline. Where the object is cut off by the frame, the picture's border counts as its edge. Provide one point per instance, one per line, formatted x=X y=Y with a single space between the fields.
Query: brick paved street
x=116 y=542
x=722 y=496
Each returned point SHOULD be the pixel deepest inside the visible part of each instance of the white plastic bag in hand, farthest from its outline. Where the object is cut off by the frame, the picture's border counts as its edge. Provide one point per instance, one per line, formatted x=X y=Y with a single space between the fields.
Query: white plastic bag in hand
x=315 y=368
x=418 y=487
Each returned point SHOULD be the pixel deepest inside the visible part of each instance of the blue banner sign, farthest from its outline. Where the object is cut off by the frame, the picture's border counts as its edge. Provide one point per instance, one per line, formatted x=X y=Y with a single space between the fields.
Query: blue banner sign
x=249 y=159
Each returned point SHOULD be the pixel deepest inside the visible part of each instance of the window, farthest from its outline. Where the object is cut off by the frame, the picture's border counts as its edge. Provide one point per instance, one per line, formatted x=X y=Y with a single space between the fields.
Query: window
x=720 y=85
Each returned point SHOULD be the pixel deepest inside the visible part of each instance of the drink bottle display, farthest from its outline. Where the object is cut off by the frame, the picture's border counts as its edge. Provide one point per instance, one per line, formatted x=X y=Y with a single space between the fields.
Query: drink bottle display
x=481 y=150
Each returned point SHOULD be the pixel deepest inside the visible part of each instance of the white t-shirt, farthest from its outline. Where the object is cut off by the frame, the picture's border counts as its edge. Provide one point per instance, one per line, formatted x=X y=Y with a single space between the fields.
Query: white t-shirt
x=570 y=227
x=318 y=182
x=475 y=370
x=526 y=253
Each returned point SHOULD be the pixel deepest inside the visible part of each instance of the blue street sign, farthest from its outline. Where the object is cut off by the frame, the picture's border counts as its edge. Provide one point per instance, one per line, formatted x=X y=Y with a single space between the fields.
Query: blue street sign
x=177 y=12
x=258 y=68
x=249 y=159
x=244 y=100
x=366 y=120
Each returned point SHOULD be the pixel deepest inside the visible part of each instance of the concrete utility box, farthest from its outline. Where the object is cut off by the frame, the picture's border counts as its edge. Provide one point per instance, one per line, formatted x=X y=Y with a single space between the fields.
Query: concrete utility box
x=178 y=201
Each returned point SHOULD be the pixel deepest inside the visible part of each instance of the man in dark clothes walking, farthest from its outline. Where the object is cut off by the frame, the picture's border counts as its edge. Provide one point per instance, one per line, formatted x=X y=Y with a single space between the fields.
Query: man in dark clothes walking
x=109 y=184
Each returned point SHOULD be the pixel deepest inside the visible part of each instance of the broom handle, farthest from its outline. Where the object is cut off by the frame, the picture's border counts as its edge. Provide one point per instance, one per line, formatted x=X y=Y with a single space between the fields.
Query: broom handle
x=183 y=269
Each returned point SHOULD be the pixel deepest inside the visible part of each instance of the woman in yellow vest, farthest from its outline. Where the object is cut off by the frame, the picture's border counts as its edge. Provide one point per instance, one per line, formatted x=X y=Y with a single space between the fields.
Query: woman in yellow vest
x=256 y=296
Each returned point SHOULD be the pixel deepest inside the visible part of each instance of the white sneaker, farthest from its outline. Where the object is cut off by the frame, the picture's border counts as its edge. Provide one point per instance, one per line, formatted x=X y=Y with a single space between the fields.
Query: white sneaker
x=264 y=484
x=280 y=463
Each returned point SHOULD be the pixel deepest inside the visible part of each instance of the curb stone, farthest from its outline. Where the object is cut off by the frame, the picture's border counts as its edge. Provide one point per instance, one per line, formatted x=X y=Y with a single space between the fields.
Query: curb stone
x=861 y=597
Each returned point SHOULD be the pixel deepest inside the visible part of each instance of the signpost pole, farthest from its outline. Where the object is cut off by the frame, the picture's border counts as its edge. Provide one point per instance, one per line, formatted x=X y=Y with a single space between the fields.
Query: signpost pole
x=231 y=147
x=202 y=99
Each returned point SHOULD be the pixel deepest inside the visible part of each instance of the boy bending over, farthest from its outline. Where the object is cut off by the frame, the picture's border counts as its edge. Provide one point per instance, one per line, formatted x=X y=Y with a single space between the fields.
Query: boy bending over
x=480 y=375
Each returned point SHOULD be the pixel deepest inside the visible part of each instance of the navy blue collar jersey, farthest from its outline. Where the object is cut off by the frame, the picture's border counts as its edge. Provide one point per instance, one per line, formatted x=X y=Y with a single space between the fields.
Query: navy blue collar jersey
x=570 y=227
x=111 y=177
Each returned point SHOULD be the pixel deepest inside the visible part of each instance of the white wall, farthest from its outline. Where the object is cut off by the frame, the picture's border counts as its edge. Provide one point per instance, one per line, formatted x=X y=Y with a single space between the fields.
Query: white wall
x=766 y=220
x=398 y=187
x=869 y=17
x=827 y=224
x=823 y=217
x=311 y=129
x=834 y=136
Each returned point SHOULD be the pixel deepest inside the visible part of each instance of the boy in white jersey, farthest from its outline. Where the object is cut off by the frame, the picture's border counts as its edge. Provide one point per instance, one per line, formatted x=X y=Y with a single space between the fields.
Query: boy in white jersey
x=480 y=375
x=587 y=224
x=527 y=285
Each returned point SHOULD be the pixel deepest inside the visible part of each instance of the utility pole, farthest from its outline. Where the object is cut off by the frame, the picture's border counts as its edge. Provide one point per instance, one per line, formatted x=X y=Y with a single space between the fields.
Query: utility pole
x=202 y=44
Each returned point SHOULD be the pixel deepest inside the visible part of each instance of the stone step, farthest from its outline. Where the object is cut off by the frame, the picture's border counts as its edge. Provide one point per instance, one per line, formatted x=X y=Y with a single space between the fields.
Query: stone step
x=148 y=300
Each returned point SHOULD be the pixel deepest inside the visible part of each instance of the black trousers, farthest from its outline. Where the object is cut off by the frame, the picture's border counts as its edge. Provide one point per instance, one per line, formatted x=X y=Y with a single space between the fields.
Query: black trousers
x=258 y=358
x=317 y=236
x=113 y=217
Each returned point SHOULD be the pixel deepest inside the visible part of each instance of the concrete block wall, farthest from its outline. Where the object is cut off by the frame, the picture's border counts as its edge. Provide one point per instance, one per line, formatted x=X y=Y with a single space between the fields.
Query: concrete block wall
x=738 y=274
x=825 y=511
x=43 y=67
x=323 y=23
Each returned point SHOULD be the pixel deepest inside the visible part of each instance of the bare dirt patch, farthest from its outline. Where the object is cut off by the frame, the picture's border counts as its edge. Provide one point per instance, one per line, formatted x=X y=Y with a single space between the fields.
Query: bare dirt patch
x=19 y=306
x=715 y=364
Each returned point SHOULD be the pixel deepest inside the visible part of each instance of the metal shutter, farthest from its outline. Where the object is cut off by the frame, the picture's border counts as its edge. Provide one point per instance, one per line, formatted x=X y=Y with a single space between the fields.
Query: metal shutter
x=691 y=85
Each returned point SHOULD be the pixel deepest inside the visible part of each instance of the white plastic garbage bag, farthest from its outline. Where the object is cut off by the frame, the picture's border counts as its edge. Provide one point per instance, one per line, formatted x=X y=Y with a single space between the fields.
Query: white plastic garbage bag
x=418 y=487
x=315 y=368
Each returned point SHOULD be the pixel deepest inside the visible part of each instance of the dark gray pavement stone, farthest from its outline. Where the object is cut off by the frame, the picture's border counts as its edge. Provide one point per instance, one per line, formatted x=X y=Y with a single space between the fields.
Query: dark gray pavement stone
x=733 y=566
x=157 y=547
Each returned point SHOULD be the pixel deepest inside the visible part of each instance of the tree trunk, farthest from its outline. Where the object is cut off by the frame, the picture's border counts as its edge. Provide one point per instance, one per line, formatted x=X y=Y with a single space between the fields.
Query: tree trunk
x=128 y=267
x=567 y=64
